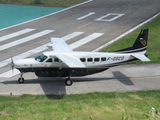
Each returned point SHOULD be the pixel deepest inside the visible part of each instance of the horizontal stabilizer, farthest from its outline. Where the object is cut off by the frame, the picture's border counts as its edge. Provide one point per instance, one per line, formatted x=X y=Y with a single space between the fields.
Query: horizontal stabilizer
x=141 y=57
x=70 y=61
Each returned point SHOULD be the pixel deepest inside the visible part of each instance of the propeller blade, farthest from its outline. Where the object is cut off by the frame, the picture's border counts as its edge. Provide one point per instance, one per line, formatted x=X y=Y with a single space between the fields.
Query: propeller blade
x=12 y=64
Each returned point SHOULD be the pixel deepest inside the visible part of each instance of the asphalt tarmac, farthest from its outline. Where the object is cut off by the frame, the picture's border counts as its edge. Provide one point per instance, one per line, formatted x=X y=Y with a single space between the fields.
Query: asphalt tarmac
x=96 y=22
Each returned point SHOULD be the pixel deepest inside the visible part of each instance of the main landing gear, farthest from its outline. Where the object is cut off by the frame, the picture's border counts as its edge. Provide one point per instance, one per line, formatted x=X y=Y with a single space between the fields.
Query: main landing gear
x=21 y=79
x=68 y=82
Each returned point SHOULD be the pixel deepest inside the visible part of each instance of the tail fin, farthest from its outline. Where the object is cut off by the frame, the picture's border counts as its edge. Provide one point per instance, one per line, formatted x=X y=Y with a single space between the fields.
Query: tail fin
x=140 y=44
x=141 y=40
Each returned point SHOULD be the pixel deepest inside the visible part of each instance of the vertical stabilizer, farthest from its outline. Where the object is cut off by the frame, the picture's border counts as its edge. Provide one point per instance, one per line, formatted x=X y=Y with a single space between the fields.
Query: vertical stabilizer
x=141 y=40
x=140 y=43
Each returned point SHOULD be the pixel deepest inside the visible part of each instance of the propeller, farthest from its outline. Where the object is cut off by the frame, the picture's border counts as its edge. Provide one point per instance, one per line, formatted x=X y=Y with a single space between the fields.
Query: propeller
x=12 y=63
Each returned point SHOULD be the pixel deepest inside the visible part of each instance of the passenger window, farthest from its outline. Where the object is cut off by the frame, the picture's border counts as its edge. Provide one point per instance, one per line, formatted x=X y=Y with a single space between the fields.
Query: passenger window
x=103 y=59
x=90 y=59
x=96 y=59
x=56 y=60
x=83 y=59
x=49 y=60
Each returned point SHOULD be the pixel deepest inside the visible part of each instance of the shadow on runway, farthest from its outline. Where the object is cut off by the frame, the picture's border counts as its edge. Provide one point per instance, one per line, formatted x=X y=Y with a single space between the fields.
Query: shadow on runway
x=122 y=78
x=54 y=88
x=116 y=75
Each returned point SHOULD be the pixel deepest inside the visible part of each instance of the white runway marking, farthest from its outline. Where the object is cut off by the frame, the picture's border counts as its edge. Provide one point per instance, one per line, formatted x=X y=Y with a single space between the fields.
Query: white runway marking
x=37 y=50
x=26 y=39
x=87 y=39
x=72 y=35
x=15 y=34
x=10 y=73
x=113 y=16
x=85 y=16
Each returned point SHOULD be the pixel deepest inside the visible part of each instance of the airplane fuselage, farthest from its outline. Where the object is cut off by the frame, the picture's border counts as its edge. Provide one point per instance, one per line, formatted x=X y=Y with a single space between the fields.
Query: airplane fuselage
x=46 y=65
x=64 y=62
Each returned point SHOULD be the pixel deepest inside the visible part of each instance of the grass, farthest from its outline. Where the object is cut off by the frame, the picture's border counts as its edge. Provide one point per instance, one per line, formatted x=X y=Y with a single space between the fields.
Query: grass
x=92 y=106
x=47 y=3
x=153 y=50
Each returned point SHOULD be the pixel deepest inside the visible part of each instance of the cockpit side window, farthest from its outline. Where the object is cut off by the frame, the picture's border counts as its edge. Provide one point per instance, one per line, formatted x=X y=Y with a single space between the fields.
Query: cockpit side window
x=49 y=60
x=40 y=57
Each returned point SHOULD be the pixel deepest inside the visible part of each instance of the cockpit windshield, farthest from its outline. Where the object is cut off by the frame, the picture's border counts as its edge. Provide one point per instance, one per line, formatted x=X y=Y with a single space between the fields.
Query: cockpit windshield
x=40 y=57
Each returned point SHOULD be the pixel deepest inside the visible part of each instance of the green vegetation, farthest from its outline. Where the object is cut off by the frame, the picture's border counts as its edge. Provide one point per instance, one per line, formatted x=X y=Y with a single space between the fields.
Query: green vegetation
x=48 y=3
x=92 y=106
x=153 y=50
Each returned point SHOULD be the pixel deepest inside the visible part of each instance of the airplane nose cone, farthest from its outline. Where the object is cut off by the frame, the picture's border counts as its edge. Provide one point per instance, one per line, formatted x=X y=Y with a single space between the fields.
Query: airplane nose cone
x=11 y=63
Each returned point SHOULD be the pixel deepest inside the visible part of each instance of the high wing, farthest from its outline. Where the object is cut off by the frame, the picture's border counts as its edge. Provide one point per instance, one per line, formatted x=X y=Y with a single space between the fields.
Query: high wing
x=59 y=45
x=70 y=61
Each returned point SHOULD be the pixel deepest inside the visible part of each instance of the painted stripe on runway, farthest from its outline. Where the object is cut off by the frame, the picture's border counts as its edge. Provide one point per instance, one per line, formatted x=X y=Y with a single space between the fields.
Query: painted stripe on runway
x=26 y=39
x=9 y=73
x=15 y=34
x=85 y=40
x=36 y=50
x=85 y=16
x=72 y=35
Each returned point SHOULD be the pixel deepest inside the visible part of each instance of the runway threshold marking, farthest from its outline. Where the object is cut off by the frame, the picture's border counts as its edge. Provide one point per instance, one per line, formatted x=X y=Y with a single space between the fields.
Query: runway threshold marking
x=15 y=34
x=87 y=39
x=36 y=50
x=26 y=39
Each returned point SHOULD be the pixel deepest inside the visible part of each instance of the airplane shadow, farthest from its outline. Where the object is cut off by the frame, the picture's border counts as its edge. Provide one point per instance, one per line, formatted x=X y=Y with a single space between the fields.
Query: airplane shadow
x=122 y=78
x=54 y=88
x=116 y=75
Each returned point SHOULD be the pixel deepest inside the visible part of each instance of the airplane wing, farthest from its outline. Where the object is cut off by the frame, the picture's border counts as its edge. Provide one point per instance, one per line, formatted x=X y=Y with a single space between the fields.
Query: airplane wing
x=70 y=61
x=141 y=57
x=59 y=45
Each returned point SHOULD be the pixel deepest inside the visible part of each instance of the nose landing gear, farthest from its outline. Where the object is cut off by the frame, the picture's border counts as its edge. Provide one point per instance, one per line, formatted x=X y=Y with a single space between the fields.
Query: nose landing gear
x=21 y=79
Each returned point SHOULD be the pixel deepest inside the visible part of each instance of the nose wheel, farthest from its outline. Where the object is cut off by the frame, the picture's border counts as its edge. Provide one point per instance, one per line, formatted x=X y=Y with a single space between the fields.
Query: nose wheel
x=21 y=79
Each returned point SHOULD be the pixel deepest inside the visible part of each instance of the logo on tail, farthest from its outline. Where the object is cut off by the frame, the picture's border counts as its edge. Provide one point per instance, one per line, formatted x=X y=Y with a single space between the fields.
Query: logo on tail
x=143 y=42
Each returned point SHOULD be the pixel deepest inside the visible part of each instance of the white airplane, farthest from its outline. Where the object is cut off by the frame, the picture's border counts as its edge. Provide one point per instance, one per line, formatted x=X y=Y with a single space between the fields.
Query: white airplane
x=63 y=62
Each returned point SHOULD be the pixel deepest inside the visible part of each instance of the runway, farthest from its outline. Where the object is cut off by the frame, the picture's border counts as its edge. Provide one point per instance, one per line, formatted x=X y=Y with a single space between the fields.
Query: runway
x=84 y=27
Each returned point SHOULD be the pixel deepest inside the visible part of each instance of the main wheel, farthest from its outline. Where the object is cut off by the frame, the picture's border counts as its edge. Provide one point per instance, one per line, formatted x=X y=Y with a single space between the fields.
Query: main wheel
x=21 y=80
x=68 y=82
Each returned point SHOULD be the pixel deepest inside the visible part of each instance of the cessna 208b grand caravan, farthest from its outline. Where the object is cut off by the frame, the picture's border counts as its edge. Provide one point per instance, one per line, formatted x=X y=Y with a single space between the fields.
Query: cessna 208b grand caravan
x=63 y=62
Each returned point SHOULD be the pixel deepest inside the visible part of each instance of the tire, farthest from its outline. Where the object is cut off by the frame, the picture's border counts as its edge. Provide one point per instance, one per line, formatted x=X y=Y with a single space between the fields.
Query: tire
x=68 y=82
x=21 y=80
